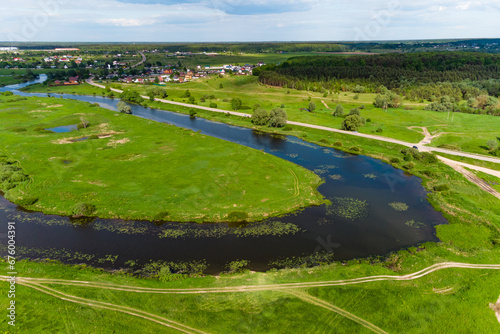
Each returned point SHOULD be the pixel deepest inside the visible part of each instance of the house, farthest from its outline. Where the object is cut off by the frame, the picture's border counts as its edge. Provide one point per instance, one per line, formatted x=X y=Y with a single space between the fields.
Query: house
x=73 y=80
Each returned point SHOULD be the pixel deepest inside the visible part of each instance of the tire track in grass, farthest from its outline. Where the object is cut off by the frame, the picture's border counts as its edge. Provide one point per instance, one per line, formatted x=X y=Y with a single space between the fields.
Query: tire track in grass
x=246 y=288
x=35 y=283
x=321 y=303
x=112 y=307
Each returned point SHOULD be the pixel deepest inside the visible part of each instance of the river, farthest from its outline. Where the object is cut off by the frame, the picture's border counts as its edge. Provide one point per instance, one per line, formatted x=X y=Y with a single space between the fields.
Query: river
x=377 y=229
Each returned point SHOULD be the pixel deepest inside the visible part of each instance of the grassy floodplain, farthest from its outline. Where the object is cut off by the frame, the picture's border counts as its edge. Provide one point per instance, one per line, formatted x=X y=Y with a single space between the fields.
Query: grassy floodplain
x=466 y=132
x=138 y=169
x=446 y=301
x=450 y=300
x=463 y=203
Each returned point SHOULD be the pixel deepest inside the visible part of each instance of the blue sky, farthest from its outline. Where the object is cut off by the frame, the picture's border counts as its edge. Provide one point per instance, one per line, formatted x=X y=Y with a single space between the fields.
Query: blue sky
x=246 y=20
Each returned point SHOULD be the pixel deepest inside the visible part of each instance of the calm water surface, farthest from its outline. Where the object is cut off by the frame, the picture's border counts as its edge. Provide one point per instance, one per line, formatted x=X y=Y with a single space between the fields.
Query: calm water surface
x=377 y=231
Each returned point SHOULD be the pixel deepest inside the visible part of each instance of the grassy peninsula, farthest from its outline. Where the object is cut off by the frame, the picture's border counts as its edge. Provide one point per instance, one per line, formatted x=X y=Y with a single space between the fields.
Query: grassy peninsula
x=121 y=166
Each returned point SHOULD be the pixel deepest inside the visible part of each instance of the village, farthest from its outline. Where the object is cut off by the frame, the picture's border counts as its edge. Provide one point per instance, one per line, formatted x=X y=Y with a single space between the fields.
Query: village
x=122 y=67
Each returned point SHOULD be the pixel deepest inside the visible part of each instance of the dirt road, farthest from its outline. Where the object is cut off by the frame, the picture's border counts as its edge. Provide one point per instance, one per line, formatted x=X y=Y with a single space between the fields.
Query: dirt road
x=459 y=167
x=319 y=127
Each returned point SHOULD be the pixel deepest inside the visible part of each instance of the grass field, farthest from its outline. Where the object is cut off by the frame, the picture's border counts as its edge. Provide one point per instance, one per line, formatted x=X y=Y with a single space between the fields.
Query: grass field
x=464 y=202
x=465 y=132
x=453 y=300
x=446 y=301
x=140 y=169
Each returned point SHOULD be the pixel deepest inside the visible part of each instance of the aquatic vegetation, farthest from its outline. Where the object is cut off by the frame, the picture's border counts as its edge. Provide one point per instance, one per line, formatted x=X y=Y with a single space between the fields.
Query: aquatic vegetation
x=306 y=261
x=162 y=269
x=336 y=177
x=370 y=176
x=349 y=208
x=399 y=206
x=273 y=228
x=328 y=166
x=415 y=224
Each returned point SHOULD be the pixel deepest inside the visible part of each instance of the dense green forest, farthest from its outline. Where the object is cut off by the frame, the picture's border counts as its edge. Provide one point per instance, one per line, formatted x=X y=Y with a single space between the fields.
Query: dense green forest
x=454 y=76
x=390 y=70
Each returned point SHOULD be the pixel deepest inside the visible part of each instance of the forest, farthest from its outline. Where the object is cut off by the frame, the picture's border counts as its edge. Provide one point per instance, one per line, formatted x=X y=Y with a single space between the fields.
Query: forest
x=455 y=76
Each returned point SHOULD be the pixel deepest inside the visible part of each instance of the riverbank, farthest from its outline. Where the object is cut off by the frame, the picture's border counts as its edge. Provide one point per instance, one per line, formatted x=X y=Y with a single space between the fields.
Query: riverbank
x=121 y=166
x=418 y=291
x=461 y=201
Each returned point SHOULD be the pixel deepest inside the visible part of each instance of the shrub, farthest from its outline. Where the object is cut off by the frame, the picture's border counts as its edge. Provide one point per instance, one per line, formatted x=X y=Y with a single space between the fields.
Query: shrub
x=26 y=201
x=236 y=103
x=237 y=216
x=18 y=129
x=191 y=100
x=312 y=105
x=359 y=89
x=124 y=108
x=83 y=209
x=355 y=149
x=338 y=144
x=93 y=137
x=428 y=158
x=429 y=173
x=362 y=106
x=324 y=141
x=277 y=118
x=7 y=185
x=441 y=187
x=351 y=123
x=236 y=266
x=17 y=177
x=161 y=216
x=339 y=111
x=356 y=96
x=395 y=160
x=260 y=117
x=131 y=96
x=213 y=105
x=93 y=105
x=379 y=129
x=409 y=165
x=202 y=99
x=354 y=111
x=83 y=125
x=492 y=144
x=192 y=113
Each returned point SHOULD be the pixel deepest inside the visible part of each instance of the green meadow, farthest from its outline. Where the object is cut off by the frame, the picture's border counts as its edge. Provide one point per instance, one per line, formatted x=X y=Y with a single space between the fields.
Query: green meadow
x=453 y=300
x=134 y=168
x=466 y=132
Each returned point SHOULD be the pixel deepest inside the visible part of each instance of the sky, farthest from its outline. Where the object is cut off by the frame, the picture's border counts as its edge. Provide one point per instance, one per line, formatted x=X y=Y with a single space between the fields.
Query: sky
x=246 y=20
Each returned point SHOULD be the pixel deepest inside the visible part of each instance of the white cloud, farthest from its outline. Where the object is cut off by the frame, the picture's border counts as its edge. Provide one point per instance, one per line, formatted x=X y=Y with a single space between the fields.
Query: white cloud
x=124 y=22
x=238 y=20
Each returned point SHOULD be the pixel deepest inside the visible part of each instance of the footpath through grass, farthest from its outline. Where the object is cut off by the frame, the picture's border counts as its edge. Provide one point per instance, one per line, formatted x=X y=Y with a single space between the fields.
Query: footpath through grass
x=122 y=166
